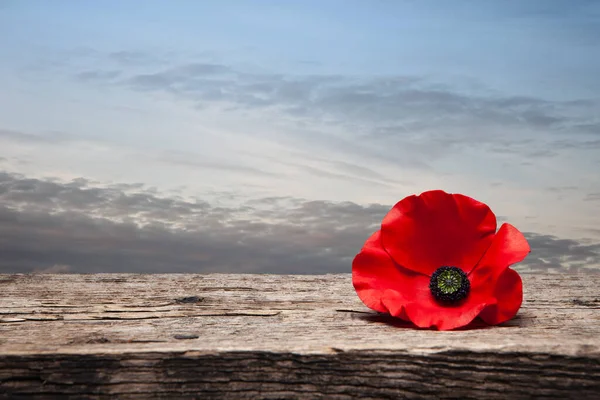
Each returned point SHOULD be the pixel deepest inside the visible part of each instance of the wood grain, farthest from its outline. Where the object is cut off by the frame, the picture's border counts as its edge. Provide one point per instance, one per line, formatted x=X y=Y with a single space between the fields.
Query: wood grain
x=275 y=336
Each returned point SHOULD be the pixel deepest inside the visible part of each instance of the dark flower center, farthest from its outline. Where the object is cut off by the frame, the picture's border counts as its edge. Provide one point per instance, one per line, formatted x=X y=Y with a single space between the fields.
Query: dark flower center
x=449 y=285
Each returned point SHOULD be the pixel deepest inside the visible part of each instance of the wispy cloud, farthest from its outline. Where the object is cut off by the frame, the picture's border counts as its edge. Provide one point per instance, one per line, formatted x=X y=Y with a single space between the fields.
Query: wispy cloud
x=201 y=161
x=393 y=104
x=421 y=118
x=593 y=196
x=55 y=138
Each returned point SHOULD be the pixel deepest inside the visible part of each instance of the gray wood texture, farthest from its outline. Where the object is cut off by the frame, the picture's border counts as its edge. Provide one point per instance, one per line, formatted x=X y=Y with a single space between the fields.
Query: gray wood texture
x=275 y=336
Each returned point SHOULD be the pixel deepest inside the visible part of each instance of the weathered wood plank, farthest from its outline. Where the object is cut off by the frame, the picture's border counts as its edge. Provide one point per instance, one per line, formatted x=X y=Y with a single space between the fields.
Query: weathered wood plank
x=270 y=336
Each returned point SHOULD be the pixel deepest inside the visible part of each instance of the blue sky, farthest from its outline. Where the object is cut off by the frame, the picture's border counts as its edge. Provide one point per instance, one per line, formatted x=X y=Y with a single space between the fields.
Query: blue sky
x=262 y=110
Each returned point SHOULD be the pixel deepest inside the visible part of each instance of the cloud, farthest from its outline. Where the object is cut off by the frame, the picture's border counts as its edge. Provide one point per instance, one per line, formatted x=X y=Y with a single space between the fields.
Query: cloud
x=91 y=229
x=125 y=228
x=388 y=123
x=98 y=75
x=553 y=254
x=20 y=137
x=406 y=119
x=581 y=145
x=391 y=102
x=200 y=161
x=137 y=58
x=592 y=196
x=323 y=168
x=189 y=78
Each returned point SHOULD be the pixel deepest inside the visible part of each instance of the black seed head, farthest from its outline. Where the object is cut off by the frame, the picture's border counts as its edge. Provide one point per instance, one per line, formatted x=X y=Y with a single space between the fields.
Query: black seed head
x=449 y=285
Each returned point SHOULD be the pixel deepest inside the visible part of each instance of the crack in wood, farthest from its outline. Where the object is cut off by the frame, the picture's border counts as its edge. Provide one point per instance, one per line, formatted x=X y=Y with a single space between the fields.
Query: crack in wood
x=595 y=303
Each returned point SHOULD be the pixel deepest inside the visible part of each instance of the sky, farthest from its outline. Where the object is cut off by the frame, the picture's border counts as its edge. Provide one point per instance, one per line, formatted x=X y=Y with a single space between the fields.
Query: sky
x=272 y=137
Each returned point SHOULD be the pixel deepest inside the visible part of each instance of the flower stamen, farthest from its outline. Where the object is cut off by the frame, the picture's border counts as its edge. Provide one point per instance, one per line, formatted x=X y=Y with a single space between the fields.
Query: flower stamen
x=449 y=285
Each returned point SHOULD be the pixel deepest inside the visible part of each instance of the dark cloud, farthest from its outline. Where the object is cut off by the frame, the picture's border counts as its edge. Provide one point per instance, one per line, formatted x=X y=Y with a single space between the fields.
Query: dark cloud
x=553 y=254
x=89 y=229
x=47 y=225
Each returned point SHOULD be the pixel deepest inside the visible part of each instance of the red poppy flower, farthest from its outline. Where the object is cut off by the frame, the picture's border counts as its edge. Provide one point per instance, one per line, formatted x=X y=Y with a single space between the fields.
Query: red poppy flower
x=438 y=261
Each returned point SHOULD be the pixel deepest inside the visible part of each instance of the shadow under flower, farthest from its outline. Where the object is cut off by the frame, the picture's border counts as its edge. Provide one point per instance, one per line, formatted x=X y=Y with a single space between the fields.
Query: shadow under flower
x=387 y=319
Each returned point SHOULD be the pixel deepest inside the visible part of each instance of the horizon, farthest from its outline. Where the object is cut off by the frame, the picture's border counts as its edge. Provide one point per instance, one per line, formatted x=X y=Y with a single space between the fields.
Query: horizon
x=272 y=137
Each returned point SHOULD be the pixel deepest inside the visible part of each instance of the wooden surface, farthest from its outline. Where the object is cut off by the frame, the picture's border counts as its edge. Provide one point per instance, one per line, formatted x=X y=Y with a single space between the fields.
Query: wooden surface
x=268 y=336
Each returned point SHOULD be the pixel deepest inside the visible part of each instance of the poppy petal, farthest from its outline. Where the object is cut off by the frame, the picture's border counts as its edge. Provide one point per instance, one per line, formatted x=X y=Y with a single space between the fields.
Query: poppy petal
x=384 y=286
x=509 y=295
x=375 y=276
x=508 y=247
x=443 y=317
x=425 y=312
x=435 y=229
x=492 y=277
x=395 y=304
x=416 y=304
x=496 y=291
